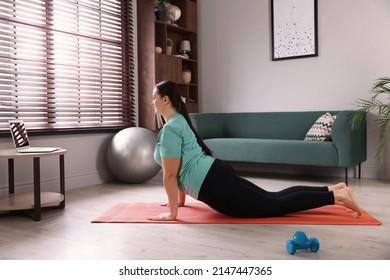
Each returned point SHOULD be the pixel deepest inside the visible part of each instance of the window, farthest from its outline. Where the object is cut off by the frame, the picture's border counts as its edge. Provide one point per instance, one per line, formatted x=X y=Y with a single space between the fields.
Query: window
x=67 y=64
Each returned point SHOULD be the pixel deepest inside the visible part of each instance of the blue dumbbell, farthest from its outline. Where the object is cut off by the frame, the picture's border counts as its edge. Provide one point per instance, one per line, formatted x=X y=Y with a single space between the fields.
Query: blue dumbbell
x=300 y=241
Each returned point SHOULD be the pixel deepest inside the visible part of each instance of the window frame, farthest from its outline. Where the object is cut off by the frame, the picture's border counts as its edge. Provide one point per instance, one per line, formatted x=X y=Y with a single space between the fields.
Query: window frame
x=127 y=82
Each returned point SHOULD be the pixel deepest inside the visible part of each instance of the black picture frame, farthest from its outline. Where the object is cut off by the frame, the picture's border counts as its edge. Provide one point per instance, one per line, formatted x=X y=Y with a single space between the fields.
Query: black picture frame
x=294 y=29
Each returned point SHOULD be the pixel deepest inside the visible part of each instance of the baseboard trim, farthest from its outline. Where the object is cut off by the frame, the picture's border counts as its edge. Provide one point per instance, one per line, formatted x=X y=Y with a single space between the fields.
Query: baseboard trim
x=375 y=172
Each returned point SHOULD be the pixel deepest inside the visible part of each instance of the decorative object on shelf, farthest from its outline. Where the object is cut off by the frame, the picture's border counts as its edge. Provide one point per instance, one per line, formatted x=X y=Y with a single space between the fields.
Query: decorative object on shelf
x=158 y=50
x=377 y=103
x=186 y=76
x=173 y=13
x=294 y=29
x=160 y=9
x=185 y=46
x=169 y=46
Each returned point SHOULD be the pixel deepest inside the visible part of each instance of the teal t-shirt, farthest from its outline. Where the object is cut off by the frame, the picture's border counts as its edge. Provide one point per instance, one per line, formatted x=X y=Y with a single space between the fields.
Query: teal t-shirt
x=177 y=140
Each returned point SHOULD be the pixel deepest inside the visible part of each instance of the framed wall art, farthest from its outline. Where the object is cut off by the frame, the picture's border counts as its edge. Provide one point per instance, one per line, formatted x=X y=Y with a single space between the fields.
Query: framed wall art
x=294 y=29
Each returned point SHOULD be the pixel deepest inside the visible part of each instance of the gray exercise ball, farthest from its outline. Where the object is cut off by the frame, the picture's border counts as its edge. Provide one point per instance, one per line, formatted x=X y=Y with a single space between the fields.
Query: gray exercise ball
x=130 y=155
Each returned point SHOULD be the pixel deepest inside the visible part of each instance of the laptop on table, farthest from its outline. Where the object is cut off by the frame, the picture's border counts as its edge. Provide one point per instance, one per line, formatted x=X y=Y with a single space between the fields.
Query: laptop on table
x=21 y=140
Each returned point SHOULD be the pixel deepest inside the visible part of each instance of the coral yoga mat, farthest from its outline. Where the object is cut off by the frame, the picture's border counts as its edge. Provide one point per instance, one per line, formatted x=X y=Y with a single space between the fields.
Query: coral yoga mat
x=199 y=213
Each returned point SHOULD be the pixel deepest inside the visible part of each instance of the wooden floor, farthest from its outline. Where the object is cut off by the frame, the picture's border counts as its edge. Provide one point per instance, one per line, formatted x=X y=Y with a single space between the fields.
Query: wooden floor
x=68 y=234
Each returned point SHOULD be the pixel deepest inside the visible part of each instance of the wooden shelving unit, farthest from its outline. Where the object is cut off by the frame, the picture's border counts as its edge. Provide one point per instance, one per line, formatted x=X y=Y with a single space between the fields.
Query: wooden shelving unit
x=166 y=67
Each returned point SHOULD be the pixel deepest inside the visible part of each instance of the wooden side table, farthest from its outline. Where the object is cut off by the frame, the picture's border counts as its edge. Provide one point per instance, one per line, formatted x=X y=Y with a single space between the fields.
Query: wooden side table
x=36 y=200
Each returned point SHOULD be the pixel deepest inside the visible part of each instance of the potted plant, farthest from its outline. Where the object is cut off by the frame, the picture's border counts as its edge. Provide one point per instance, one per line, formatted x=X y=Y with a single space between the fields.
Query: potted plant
x=160 y=9
x=376 y=103
x=169 y=46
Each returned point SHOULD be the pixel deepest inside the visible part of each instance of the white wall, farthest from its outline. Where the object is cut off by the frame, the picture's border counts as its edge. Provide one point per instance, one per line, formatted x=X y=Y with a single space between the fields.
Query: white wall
x=237 y=73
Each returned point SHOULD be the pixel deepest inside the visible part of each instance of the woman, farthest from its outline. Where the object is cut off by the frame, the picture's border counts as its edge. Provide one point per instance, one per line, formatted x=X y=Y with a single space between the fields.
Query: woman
x=189 y=168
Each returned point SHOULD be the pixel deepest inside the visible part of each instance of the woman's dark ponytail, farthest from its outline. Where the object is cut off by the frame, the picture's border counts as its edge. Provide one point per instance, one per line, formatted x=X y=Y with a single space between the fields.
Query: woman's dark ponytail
x=172 y=90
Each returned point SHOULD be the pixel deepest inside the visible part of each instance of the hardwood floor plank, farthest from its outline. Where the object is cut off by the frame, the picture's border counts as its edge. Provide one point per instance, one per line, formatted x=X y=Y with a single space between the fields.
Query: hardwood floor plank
x=68 y=234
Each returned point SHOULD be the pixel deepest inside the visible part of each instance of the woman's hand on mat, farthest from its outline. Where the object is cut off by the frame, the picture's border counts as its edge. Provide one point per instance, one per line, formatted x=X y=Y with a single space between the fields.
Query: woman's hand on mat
x=162 y=217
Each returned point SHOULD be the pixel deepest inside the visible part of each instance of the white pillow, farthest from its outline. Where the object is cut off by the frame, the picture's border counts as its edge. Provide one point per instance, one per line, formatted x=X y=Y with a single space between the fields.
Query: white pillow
x=321 y=130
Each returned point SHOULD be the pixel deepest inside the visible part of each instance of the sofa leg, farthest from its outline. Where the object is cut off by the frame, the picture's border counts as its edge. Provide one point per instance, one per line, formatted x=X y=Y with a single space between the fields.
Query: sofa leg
x=360 y=171
x=346 y=176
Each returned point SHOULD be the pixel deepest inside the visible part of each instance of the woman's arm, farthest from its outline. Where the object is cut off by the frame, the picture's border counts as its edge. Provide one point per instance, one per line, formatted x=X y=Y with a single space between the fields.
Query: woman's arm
x=170 y=168
x=182 y=198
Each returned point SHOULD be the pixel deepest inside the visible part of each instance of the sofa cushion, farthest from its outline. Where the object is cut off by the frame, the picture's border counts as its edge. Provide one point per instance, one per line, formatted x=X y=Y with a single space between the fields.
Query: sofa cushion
x=274 y=151
x=208 y=125
x=321 y=129
x=269 y=125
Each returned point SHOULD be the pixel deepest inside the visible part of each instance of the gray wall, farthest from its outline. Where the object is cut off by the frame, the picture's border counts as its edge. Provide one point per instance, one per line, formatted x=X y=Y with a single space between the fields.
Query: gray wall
x=237 y=73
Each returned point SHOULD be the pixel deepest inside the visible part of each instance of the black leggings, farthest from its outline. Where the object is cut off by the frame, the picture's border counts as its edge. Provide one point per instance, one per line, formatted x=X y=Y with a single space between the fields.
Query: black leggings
x=226 y=192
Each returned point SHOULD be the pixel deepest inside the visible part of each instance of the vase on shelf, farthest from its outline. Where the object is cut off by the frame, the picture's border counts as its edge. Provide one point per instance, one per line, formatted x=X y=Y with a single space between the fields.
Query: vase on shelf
x=169 y=50
x=169 y=47
x=160 y=15
x=186 y=76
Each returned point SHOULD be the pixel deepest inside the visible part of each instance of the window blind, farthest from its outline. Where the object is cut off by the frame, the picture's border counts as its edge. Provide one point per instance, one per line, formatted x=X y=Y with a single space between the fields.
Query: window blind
x=67 y=64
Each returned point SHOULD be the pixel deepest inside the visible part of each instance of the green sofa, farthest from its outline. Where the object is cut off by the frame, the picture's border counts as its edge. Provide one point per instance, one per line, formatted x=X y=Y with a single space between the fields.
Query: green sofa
x=279 y=138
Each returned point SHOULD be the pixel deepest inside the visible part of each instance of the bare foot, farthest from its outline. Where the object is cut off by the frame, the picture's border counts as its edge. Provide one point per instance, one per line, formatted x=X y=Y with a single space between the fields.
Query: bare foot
x=346 y=197
x=336 y=187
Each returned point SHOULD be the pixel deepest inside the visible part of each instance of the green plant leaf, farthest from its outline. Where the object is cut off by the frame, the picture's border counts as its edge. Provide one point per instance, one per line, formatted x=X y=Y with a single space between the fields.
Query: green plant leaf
x=381 y=86
x=356 y=118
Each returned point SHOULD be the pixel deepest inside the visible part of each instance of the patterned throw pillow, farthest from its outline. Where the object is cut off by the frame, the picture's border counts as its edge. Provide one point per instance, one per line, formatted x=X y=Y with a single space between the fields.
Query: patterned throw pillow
x=321 y=129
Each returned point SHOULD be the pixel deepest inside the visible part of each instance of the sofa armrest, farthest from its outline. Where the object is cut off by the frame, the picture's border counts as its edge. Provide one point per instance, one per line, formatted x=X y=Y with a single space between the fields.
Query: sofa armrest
x=351 y=144
x=208 y=125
